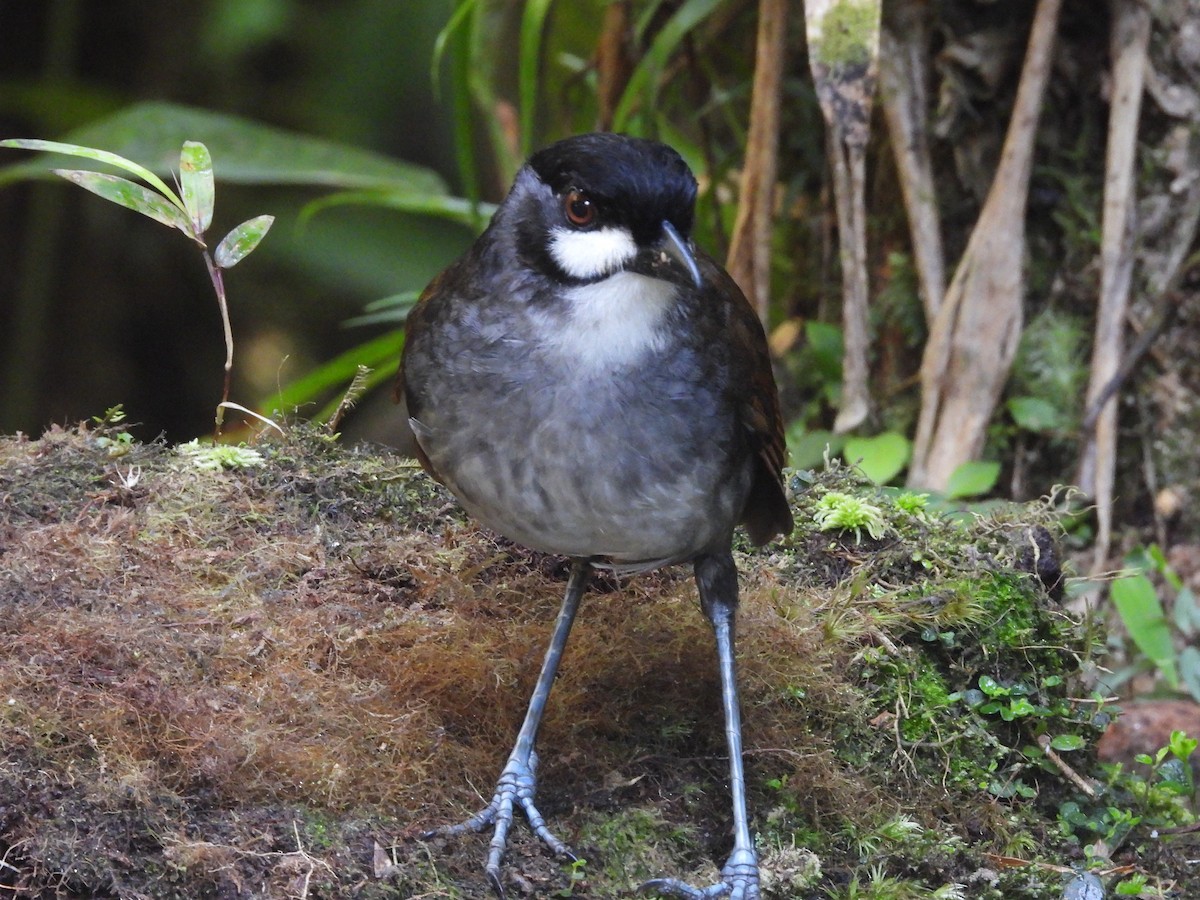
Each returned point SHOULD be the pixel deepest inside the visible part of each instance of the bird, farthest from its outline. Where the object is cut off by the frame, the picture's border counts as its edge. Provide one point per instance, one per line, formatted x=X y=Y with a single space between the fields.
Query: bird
x=589 y=384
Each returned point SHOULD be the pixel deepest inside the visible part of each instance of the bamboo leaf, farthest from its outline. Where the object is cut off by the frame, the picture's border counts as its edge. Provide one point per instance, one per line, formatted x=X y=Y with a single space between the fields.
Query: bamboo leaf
x=533 y=22
x=453 y=209
x=131 y=195
x=250 y=153
x=103 y=156
x=381 y=355
x=457 y=21
x=196 y=184
x=643 y=82
x=240 y=242
x=391 y=310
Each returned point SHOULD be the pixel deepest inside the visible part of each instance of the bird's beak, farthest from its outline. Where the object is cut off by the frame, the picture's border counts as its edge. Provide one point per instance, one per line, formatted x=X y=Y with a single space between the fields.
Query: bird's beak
x=675 y=247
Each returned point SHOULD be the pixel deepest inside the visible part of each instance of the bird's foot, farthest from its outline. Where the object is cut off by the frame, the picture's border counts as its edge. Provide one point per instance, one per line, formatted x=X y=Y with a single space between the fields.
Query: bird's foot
x=739 y=881
x=515 y=787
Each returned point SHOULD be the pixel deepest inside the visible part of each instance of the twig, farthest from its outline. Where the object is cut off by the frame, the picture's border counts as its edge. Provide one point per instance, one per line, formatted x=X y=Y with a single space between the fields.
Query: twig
x=218 y=283
x=1165 y=307
x=1074 y=777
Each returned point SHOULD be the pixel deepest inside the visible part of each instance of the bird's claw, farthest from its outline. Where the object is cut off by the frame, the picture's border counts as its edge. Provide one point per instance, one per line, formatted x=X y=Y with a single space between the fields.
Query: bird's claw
x=739 y=881
x=515 y=787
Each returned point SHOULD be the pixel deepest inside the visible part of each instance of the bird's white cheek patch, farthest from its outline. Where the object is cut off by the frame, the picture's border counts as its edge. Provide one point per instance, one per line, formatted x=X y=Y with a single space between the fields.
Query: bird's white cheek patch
x=615 y=321
x=591 y=254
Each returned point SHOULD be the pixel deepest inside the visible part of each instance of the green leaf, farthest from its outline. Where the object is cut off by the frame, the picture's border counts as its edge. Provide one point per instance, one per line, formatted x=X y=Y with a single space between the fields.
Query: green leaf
x=642 y=84
x=131 y=195
x=992 y=687
x=463 y=75
x=1066 y=742
x=457 y=21
x=1035 y=414
x=391 y=310
x=533 y=23
x=249 y=153
x=1186 y=612
x=881 y=457
x=240 y=242
x=1189 y=670
x=972 y=478
x=87 y=152
x=1141 y=612
x=196 y=184
x=453 y=209
x=806 y=449
x=375 y=354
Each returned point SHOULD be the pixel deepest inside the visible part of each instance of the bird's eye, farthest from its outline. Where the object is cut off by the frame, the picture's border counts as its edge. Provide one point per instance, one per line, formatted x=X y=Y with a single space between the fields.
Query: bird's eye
x=580 y=209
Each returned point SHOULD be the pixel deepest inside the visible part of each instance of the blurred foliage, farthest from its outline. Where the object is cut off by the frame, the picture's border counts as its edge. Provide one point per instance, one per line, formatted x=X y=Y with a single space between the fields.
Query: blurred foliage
x=379 y=134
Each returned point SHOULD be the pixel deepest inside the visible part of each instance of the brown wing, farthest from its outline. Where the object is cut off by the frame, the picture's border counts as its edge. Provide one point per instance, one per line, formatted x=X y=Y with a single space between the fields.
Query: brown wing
x=767 y=512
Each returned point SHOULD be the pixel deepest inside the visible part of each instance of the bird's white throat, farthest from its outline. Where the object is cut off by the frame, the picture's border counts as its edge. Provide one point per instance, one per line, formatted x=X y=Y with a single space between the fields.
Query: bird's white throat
x=591 y=254
x=613 y=322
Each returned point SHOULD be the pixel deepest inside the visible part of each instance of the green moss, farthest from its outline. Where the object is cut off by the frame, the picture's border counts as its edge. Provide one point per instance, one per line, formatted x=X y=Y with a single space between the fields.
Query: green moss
x=848 y=32
x=634 y=845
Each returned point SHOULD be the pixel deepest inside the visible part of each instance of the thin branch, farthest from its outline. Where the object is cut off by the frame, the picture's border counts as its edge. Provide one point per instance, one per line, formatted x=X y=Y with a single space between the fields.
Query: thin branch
x=749 y=259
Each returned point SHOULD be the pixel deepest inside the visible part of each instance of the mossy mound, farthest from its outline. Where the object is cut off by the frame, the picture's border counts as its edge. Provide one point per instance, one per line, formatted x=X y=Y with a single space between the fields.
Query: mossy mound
x=265 y=672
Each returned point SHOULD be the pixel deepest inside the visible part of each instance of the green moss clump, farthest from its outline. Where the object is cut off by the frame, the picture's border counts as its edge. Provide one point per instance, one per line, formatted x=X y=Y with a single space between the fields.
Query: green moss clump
x=848 y=32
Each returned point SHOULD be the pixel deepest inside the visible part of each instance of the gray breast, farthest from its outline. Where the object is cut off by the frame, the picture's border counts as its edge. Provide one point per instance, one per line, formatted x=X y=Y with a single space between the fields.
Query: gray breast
x=631 y=468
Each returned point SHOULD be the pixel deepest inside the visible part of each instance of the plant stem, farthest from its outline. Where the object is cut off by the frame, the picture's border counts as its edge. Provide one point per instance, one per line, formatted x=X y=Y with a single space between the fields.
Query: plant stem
x=218 y=281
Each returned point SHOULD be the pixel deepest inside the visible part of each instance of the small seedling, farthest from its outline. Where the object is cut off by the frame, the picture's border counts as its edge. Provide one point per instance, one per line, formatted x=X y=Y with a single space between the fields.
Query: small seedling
x=190 y=211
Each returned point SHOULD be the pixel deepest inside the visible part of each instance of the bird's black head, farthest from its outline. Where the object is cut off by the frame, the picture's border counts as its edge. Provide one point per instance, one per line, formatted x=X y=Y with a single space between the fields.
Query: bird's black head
x=596 y=204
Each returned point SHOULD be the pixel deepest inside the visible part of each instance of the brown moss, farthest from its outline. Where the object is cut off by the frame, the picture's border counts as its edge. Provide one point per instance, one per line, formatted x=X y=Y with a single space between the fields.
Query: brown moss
x=218 y=680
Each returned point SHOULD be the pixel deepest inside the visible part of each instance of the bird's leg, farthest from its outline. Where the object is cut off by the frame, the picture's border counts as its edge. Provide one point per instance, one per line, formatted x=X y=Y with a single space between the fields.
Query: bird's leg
x=518 y=782
x=716 y=579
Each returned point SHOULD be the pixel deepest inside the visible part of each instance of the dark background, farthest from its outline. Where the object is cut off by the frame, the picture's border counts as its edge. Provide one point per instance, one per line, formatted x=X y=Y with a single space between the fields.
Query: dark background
x=100 y=306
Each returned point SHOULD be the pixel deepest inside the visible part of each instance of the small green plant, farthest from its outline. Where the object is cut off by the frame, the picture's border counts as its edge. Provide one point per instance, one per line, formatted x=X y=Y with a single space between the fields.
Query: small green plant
x=112 y=435
x=1171 y=767
x=913 y=504
x=576 y=879
x=215 y=457
x=1132 y=886
x=838 y=511
x=1133 y=803
x=191 y=211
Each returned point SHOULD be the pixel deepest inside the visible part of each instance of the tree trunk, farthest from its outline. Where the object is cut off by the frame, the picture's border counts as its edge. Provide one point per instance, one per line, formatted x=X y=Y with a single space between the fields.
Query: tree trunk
x=843 y=52
x=974 y=338
x=1130 y=40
